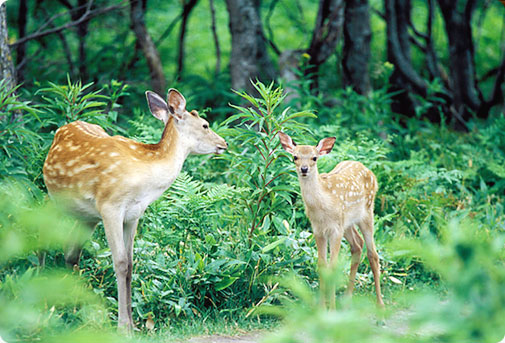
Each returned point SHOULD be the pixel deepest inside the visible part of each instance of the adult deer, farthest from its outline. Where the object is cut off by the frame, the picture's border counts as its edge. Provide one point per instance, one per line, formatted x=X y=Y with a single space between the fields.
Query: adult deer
x=114 y=179
x=335 y=202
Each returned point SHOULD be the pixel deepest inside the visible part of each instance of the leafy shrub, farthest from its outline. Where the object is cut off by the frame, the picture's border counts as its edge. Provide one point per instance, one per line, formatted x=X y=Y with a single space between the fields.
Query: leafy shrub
x=41 y=305
x=471 y=265
x=255 y=153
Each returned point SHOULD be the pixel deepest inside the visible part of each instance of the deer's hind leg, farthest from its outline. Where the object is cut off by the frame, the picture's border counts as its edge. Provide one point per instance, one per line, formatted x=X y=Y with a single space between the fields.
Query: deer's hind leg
x=356 y=244
x=366 y=227
x=74 y=246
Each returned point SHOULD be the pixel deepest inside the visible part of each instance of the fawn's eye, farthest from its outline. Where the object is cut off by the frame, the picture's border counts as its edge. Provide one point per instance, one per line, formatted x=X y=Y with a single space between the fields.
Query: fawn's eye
x=295 y=158
x=205 y=126
x=314 y=159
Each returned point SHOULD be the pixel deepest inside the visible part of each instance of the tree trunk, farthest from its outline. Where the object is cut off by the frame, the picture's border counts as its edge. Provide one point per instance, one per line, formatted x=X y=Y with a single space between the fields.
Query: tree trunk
x=186 y=11
x=457 y=17
x=21 y=48
x=7 y=71
x=356 y=50
x=325 y=36
x=249 y=58
x=137 y=9
x=82 y=31
x=215 y=37
x=404 y=78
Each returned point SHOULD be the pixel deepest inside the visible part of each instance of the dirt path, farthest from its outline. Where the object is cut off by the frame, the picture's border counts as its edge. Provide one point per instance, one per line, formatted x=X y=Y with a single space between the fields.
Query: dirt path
x=398 y=324
x=251 y=337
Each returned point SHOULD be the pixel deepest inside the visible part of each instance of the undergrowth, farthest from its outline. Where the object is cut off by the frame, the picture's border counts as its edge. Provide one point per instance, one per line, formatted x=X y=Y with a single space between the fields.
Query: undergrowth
x=221 y=240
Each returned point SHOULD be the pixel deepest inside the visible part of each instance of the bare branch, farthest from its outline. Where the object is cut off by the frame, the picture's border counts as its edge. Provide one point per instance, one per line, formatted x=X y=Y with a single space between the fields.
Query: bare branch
x=215 y=36
x=416 y=32
x=186 y=12
x=401 y=62
x=270 y=38
x=86 y=16
x=169 y=29
x=497 y=94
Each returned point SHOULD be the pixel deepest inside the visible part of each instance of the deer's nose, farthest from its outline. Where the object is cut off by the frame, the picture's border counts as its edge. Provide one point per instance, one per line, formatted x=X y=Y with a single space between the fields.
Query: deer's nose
x=304 y=169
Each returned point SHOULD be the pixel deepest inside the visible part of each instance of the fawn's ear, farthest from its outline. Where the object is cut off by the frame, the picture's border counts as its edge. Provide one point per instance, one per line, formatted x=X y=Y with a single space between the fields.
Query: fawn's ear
x=157 y=106
x=325 y=145
x=176 y=103
x=287 y=142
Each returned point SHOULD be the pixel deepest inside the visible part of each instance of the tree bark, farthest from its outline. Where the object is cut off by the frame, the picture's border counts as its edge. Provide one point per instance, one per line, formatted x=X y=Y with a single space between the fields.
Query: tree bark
x=186 y=12
x=137 y=9
x=215 y=37
x=457 y=17
x=325 y=36
x=82 y=32
x=21 y=48
x=7 y=71
x=249 y=58
x=356 y=50
x=404 y=78
x=81 y=10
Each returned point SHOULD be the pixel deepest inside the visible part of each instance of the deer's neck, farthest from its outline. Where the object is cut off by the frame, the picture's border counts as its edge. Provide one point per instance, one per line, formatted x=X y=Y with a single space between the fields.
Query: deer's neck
x=311 y=188
x=170 y=153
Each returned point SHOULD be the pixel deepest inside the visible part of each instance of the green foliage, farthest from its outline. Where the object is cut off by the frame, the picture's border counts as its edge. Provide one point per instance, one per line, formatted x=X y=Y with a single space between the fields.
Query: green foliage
x=36 y=304
x=255 y=153
x=19 y=146
x=75 y=101
x=217 y=244
x=471 y=265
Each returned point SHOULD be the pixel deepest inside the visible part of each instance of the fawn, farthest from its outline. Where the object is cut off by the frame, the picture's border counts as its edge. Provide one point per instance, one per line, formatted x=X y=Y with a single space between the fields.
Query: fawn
x=114 y=179
x=334 y=203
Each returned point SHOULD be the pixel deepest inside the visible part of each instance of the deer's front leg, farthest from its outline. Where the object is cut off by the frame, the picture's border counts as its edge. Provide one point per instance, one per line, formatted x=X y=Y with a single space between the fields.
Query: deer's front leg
x=322 y=246
x=335 y=241
x=130 y=228
x=113 y=225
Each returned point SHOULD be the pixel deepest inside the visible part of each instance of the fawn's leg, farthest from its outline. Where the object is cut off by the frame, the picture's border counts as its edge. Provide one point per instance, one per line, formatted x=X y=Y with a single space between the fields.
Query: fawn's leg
x=335 y=241
x=356 y=243
x=366 y=227
x=322 y=246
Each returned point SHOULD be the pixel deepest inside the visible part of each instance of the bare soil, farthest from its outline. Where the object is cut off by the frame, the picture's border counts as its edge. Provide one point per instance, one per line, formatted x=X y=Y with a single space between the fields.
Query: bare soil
x=250 y=337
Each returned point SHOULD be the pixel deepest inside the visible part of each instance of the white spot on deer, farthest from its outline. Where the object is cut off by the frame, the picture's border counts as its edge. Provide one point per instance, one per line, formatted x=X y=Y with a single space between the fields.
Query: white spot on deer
x=71 y=163
x=92 y=181
x=133 y=147
x=114 y=154
x=73 y=147
x=84 y=167
x=334 y=192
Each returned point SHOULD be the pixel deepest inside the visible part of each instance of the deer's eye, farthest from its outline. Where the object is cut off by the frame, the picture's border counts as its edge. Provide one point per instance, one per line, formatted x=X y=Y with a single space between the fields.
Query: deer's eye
x=295 y=158
x=205 y=126
x=314 y=159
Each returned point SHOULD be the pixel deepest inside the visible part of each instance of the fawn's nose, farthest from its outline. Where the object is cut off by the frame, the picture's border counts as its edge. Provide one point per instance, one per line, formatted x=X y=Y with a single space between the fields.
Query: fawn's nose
x=304 y=169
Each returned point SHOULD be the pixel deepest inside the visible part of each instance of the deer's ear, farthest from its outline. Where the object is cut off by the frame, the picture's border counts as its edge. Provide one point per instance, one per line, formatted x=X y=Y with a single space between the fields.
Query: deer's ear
x=176 y=103
x=287 y=142
x=325 y=145
x=157 y=106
